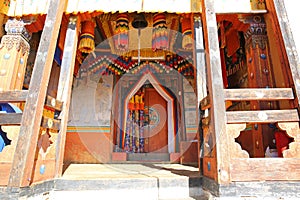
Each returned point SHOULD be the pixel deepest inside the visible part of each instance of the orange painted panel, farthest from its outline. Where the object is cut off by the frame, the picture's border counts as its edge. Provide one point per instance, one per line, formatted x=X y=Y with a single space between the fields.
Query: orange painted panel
x=44 y=170
x=4 y=173
x=87 y=147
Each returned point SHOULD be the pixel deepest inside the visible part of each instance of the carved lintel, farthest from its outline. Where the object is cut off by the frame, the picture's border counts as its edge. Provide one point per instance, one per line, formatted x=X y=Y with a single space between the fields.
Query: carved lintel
x=233 y=131
x=292 y=129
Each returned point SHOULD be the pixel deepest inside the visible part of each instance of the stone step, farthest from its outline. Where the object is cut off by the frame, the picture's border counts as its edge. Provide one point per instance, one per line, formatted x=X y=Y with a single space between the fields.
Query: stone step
x=147 y=181
x=148 y=157
x=130 y=181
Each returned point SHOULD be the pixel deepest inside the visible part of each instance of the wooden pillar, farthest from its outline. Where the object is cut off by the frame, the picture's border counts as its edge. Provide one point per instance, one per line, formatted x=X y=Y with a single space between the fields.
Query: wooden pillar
x=21 y=173
x=215 y=89
x=201 y=83
x=260 y=75
x=14 y=50
x=200 y=61
x=1 y=25
x=289 y=45
x=65 y=88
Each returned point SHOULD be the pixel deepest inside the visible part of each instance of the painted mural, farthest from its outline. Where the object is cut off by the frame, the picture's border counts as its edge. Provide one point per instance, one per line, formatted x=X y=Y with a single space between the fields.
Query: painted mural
x=91 y=101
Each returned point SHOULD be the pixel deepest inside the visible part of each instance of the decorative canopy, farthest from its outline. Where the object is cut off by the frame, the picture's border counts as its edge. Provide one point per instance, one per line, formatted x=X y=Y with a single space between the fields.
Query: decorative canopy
x=34 y=7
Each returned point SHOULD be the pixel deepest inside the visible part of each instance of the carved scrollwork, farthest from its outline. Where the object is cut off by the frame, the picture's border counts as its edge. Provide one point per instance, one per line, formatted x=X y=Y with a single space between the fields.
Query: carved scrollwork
x=44 y=143
x=292 y=129
x=233 y=131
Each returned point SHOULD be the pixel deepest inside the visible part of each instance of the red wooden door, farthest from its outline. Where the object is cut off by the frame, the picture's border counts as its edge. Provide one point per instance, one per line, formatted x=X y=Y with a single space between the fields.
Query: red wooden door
x=156 y=132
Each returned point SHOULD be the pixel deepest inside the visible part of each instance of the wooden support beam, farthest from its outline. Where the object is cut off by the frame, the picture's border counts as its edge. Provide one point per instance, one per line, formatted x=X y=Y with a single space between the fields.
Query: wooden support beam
x=205 y=103
x=10 y=118
x=289 y=44
x=23 y=162
x=13 y=96
x=258 y=94
x=65 y=88
x=216 y=90
x=50 y=123
x=53 y=103
x=262 y=116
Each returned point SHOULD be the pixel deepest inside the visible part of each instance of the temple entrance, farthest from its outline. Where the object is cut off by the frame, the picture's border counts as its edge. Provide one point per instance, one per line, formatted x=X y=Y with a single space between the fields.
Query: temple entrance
x=148 y=118
x=156 y=130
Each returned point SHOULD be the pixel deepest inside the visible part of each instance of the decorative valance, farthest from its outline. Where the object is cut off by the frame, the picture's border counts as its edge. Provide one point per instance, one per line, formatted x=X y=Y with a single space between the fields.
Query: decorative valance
x=35 y=7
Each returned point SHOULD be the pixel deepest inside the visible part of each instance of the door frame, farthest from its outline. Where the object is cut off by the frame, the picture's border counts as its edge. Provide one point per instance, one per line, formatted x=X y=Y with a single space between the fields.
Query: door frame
x=170 y=106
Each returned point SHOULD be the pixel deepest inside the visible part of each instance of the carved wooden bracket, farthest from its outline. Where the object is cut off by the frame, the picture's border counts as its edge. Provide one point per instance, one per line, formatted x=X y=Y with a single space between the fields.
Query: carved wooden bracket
x=292 y=129
x=233 y=131
x=44 y=143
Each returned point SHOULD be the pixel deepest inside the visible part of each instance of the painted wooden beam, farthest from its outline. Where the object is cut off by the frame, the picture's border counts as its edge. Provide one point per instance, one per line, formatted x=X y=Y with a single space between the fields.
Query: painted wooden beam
x=52 y=124
x=262 y=116
x=10 y=118
x=53 y=103
x=258 y=94
x=216 y=90
x=289 y=44
x=13 y=96
x=65 y=88
x=23 y=162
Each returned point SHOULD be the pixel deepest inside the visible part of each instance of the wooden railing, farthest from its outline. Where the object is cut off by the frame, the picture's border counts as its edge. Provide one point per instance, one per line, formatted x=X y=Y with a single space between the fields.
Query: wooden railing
x=21 y=96
x=260 y=116
x=241 y=166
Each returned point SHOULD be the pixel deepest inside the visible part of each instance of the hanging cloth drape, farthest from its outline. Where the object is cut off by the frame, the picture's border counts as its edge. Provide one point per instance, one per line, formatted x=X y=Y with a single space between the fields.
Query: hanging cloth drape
x=186 y=26
x=134 y=133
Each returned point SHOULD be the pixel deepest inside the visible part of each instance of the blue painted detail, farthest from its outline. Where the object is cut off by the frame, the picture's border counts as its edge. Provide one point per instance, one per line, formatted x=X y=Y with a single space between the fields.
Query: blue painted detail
x=208 y=166
x=263 y=56
x=21 y=61
x=42 y=169
x=6 y=56
x=6 y=108
x=57 y=56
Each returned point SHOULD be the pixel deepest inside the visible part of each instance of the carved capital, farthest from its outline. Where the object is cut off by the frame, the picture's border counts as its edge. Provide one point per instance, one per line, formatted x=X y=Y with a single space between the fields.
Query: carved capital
x=72 y=22
x=17 y=27
x=256 y=35
x=15 y=41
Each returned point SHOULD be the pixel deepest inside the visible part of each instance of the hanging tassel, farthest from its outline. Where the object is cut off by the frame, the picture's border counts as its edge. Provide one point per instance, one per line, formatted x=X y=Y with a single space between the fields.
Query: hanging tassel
x=159 y=32
x=121 y=39
x=87 y=43
x=187 y=40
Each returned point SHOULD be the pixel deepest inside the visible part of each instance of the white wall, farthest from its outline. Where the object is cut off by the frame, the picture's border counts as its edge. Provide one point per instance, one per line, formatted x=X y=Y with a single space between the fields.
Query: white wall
x=293 y=13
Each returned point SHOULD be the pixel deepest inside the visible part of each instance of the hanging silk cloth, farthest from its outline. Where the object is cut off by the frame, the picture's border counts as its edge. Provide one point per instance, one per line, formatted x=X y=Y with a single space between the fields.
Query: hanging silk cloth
x=121 y=39
x=134 y=133
x=186 y=26
x=159 y=32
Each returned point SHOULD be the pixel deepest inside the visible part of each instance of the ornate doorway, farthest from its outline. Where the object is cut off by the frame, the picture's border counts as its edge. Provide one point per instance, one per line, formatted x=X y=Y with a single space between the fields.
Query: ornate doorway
x=148 y=117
